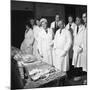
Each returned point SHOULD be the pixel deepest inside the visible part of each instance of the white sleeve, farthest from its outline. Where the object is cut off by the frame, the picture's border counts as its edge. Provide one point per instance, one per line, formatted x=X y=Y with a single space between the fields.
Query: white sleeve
x=66 y=27
x=69 y=41
x=39 y=46
x=54 y=41
x=52 y=25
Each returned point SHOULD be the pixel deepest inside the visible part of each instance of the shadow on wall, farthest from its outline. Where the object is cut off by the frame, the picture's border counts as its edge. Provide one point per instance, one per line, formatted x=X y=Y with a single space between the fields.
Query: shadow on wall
x=18 y=20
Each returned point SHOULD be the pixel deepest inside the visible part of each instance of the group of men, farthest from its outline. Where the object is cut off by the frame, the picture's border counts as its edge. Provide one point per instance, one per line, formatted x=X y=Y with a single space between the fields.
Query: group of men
x=59 y=43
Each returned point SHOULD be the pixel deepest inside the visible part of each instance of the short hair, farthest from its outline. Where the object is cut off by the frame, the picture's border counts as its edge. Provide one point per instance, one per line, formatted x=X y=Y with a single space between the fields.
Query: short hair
x=62 y=20
x=37 y=18
x=28 y=23
x=78 y=17
x=70 y=16
x=57 y=14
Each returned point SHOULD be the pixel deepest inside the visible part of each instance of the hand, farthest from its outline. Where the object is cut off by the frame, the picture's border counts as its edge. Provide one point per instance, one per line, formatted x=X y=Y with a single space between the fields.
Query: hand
x=80 y=49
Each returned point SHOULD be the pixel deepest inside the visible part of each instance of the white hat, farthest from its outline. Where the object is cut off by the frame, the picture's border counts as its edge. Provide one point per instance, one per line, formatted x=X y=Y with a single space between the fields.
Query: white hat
x=43 y=20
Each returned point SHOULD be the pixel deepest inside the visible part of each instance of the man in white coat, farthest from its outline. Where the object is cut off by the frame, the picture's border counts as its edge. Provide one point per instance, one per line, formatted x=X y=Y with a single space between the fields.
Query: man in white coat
x=84 y=54
x=78 y=46
x=62 y=44
x=45 y=38
x=71 y=27
x=54 y=24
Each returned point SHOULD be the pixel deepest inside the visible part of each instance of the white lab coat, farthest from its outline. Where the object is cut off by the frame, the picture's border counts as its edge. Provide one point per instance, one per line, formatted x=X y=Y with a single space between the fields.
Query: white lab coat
x=78 y=47
x=27 y=44
x=36 y=31
x=44 y=45
x=73 y=26
x=62 y=44
x=52 y=25
x=84 y=53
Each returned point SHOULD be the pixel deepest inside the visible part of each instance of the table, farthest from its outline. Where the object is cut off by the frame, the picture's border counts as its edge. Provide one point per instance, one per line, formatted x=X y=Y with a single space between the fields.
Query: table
x=58 y=76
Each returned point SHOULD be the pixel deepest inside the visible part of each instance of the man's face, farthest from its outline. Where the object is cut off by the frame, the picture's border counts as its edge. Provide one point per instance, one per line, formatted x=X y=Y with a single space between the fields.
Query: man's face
x=32 y=22
x=60 y=24
x=78 y=20
x=70 y=19
x=44 y=25
x=57 y=18
x=38 y=22
x=84 y=17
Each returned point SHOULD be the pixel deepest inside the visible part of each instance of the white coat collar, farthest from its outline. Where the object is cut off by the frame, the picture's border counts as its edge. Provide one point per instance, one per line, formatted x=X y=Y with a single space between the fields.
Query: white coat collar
x=61 y=30
x=80 y=28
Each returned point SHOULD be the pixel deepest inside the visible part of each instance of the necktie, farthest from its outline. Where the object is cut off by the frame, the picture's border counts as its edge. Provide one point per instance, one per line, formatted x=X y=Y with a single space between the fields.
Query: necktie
x=69 y=26
x=77 y=29
x=46 y=31
x=55 y=28
x=56 y=24
x=60 y=31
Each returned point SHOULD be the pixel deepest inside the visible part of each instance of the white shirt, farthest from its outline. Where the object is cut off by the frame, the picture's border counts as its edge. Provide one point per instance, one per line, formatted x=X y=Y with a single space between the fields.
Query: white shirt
x=73 y=25
x=53 y=24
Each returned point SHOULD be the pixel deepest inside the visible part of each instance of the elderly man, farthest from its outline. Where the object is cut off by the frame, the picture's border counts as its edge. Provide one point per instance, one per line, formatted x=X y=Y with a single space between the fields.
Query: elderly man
x=62 y=44
x=45 y=38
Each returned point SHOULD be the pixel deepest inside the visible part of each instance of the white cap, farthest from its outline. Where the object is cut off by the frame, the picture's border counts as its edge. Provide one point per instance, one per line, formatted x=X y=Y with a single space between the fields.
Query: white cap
x=43 y=20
